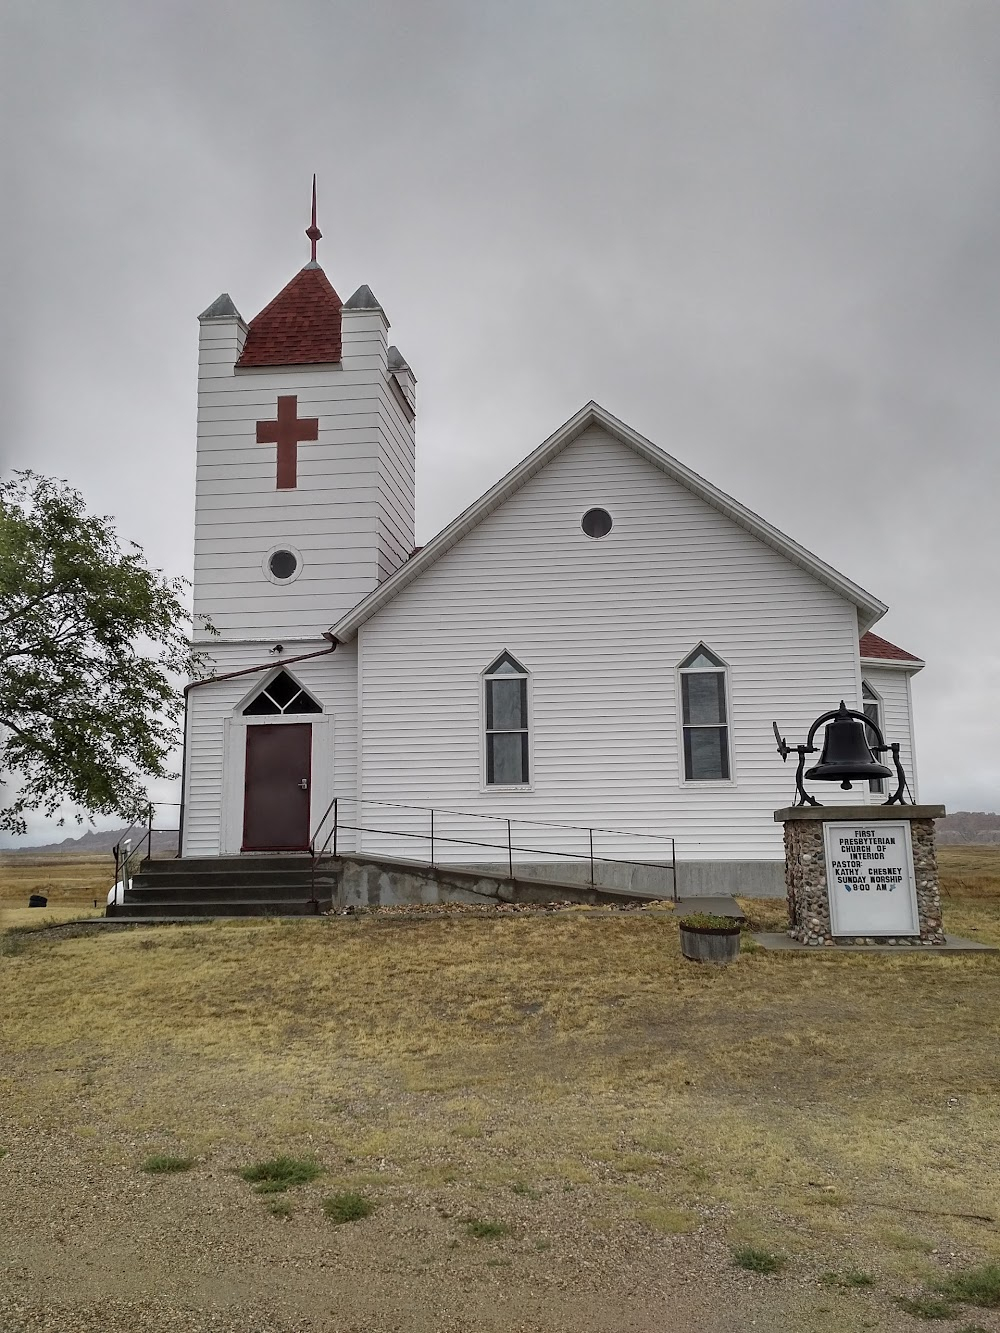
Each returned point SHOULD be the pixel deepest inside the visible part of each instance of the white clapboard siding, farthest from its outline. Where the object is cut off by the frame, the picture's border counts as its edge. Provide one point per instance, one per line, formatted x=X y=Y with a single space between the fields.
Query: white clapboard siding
x=340 y=483
x=337 y=417
x=217 y=738
x=312 y=520
x=227 y=552
x=397 y=461
x=350 y=516
x=602 y=626
x=330 y=383
x=247 y=461
x=892 y=686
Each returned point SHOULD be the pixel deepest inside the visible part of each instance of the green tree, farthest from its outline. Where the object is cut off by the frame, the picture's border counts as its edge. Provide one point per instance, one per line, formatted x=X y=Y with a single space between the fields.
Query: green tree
x=92 y=643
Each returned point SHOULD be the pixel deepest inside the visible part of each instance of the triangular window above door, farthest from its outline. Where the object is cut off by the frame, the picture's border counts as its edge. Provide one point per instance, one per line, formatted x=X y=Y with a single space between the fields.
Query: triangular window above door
x=505 y=665
x=282 y=695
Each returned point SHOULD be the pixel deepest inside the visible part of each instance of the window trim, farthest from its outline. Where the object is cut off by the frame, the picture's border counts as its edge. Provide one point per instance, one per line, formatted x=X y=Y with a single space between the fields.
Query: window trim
x=876 y=786
x=265 y=564
x=524 y=673
x=597 y=509
x=679 y=672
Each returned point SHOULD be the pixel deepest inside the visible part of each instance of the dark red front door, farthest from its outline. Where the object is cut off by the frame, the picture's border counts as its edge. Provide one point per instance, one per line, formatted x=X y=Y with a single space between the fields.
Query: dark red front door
x=276 y=802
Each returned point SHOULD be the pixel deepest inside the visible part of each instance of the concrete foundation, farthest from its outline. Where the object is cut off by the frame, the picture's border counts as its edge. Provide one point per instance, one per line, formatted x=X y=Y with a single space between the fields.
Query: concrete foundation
x=695 y=879
x=743 y=879
x=387 y=883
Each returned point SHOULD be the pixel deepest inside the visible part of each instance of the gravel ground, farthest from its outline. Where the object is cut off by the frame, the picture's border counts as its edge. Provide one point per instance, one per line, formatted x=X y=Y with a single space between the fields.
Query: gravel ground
x=91 y=1244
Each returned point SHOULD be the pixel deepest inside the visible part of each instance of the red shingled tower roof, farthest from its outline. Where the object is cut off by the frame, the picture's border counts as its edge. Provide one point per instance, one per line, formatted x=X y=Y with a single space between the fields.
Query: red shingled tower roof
x=874 y=647
x=300 y=327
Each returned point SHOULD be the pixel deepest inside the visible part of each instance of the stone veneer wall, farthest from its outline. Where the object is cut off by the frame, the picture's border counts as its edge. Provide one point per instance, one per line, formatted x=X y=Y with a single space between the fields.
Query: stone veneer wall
x=808 y=897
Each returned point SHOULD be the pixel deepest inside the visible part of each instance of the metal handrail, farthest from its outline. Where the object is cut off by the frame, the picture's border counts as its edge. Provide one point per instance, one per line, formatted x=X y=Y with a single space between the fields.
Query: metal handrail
x=434 y=837
x=499 y=819
x=314 y=855
x=125 y=853
x=326 y=816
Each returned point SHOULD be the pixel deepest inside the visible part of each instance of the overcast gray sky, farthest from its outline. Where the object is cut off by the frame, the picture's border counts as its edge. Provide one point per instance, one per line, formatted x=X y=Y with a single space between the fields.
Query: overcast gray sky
x=766 y=234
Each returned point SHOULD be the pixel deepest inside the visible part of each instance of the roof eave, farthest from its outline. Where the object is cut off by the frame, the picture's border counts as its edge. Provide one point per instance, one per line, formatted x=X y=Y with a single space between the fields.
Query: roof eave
x=286 y=365
x=870 y=609
x=913 y=664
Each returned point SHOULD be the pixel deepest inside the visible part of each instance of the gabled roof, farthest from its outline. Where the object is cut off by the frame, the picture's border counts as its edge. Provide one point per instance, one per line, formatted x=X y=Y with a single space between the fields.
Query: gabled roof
x=870 y=608
x=300 y=327
x=875 y=649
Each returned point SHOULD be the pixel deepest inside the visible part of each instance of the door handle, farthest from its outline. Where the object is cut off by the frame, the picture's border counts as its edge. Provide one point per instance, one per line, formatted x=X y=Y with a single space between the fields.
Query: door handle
x=304 y=784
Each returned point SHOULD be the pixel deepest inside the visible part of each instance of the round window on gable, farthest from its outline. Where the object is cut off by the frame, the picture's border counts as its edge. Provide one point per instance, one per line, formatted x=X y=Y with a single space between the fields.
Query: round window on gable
x=283 y=564
x=597 y=523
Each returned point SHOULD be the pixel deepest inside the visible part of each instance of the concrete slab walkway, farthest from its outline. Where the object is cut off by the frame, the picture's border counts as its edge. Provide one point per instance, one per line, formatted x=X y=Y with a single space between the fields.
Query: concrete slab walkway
x=783 y=943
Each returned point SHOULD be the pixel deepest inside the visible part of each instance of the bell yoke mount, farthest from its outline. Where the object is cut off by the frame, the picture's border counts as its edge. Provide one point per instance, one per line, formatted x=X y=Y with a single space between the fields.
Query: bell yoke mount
x=847 y=756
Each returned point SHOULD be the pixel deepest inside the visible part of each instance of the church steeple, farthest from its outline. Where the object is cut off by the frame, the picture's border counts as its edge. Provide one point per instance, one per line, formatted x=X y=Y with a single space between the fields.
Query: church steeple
x=305 y=480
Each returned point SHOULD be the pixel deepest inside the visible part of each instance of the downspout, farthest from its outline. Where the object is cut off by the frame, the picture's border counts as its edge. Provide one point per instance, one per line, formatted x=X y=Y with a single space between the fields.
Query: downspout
x=232 y=675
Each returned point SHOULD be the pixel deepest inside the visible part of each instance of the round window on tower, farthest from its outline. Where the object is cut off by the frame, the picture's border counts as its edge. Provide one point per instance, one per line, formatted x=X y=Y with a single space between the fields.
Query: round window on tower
x=282 y=564
x=597 y=523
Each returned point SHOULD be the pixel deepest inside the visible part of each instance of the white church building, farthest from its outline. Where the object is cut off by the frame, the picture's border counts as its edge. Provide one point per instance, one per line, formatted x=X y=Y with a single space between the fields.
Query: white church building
x=594 y=650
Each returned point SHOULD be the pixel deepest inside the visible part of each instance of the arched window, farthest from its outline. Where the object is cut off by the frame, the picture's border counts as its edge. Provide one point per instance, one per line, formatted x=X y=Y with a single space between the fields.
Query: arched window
x=281 y=695
x=705 y=717
x=872 y=706
x=506 y=685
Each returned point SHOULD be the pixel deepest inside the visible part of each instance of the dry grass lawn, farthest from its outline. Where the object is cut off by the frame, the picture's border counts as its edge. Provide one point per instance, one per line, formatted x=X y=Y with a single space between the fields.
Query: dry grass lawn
x=624 y=1119
x=72 y=885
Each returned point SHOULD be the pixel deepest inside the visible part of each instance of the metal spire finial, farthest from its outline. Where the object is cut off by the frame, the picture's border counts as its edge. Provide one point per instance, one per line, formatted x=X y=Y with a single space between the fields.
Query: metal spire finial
x=312 y=231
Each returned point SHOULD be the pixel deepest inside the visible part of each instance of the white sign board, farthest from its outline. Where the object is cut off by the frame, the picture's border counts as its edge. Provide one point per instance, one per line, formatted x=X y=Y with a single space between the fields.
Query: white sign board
x=869 y=872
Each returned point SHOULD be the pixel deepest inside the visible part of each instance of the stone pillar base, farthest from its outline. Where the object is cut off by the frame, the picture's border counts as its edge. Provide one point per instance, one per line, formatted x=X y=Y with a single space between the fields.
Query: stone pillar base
x=809 y=917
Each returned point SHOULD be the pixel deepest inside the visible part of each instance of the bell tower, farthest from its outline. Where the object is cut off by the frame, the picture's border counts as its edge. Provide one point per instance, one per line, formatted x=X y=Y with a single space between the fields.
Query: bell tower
x=305 y=477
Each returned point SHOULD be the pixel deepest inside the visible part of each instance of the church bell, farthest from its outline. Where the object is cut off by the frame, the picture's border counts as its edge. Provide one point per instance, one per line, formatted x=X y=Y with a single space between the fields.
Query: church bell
x=847 y=756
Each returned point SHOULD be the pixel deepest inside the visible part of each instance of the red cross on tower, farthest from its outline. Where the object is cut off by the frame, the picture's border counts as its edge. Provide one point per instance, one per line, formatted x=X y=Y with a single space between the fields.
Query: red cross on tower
x=286 y=433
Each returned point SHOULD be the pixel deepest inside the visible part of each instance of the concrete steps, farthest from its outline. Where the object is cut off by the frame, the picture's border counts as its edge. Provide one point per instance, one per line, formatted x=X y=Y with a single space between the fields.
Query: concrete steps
x=215 y=907
x=230 y=886
x=240 y=890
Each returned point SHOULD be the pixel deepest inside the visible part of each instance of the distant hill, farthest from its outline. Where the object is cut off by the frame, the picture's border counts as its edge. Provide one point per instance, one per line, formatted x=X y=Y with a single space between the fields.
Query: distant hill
x=968 y=826
x=164 y=843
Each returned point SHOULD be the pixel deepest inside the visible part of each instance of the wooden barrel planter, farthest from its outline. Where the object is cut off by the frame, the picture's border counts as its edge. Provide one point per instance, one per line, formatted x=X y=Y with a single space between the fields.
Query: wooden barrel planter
x=710 y=939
